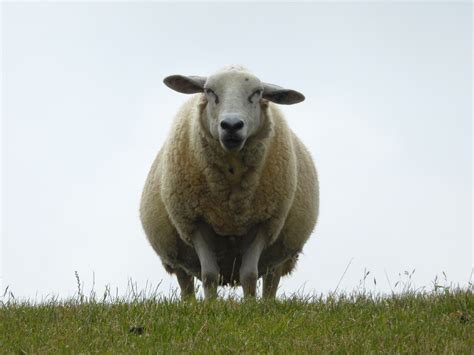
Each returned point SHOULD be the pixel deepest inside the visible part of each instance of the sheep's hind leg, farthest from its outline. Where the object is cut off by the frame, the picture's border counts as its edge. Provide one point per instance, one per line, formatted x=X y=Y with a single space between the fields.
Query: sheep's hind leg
x=208 y=261
x=186 y=284
x=270 y=283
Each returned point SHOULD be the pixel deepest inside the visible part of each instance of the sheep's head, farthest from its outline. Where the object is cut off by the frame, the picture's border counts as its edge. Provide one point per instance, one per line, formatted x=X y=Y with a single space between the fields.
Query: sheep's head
x=234 y=97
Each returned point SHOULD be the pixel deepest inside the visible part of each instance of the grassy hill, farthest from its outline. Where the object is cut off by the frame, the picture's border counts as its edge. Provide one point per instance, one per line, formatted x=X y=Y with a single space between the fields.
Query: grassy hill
x=436 y=322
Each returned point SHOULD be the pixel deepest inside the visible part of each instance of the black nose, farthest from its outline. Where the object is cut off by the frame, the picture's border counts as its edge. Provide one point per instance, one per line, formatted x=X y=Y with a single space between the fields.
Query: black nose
x=232 y=124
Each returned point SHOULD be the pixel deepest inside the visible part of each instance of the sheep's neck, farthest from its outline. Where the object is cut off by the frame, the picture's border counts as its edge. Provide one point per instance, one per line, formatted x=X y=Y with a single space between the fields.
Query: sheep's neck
x=234 y=169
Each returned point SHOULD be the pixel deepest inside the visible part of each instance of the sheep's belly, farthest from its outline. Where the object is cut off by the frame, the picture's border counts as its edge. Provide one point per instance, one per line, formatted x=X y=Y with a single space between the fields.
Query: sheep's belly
x=229 y=258
x=228 y=252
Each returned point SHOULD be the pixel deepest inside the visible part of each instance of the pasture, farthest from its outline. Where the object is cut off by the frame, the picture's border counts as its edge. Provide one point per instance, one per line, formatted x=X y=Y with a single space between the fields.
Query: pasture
x=441 y=321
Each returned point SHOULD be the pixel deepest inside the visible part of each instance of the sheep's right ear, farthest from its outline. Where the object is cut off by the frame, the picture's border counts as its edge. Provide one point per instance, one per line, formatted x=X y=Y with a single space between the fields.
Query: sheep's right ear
x=185 y=84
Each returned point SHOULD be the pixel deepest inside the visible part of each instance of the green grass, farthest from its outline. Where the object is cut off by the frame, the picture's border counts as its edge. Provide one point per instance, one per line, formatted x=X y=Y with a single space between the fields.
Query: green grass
x=436 y=322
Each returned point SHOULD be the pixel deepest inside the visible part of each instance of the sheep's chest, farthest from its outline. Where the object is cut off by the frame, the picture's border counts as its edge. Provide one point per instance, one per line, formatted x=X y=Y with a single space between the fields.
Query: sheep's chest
x=230 y=214
x=235 y=206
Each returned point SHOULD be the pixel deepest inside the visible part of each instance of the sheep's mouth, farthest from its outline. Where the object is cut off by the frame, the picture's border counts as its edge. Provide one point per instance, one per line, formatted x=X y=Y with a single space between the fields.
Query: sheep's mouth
x=232 y=142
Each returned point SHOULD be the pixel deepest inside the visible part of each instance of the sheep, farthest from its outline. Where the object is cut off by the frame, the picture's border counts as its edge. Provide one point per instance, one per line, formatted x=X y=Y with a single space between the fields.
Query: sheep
x=233 y=194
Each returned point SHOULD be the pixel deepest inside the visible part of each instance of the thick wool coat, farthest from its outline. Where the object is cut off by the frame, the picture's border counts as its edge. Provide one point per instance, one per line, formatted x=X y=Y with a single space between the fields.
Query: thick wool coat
x=270 y=185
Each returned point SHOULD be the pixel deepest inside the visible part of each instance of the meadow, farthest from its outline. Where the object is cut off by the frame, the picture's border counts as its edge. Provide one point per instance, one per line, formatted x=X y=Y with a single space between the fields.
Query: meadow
x=438 y=321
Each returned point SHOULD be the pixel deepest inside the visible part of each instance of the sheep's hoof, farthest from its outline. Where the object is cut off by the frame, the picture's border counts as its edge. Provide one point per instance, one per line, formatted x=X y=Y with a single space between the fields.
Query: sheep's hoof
x=209 y=282
x=185 y=296
x=249 y=284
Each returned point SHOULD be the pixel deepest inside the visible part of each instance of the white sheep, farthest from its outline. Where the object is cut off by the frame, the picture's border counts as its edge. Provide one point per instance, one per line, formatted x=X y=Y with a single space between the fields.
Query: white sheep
x=233 y=193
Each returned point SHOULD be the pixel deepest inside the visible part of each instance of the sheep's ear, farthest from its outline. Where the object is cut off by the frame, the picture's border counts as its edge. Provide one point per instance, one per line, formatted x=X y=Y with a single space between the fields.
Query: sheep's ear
x=185 y=84
x=280 y=95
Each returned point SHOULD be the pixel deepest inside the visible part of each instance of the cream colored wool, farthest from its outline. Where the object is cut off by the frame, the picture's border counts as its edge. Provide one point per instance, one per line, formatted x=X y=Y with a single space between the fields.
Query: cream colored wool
x=270 y=184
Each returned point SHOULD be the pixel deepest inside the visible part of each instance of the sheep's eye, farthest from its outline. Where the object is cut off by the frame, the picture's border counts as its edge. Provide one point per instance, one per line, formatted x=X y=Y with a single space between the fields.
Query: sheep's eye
x=211 y=92
x=256 y=92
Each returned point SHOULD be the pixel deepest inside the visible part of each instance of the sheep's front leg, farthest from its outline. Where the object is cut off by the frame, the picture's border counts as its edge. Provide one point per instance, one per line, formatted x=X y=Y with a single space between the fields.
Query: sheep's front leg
x=249 y=269
x=208 y=261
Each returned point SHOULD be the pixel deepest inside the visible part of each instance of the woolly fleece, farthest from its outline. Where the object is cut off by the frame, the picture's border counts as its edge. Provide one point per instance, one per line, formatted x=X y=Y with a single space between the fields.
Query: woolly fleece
x=270 y=184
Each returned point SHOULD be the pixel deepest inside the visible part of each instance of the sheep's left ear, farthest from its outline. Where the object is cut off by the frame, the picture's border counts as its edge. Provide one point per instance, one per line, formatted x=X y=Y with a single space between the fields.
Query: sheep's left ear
x=280 y=95
x=185 y=84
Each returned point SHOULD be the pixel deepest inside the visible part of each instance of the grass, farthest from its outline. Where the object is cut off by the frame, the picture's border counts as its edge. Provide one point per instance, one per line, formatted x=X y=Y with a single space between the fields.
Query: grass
x=413 y=322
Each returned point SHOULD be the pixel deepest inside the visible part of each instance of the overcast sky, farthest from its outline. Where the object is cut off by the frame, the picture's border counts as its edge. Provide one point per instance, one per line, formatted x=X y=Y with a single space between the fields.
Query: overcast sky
x=387 y=118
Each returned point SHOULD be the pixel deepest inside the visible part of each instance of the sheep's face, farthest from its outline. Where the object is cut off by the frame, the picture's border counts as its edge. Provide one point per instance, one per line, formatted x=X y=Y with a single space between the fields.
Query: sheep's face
x=233 y=107
x=233 y=110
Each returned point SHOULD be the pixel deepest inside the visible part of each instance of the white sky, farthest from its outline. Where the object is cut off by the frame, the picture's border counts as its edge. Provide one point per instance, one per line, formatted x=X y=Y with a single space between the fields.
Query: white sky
x=387 y=117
